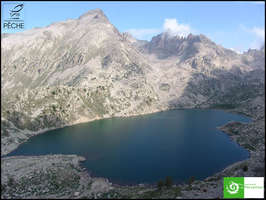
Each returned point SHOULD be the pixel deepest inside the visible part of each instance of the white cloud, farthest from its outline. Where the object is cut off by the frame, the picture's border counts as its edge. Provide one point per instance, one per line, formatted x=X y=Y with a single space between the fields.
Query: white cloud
x=143 y=33
x=170 y=25
x=258 y=34
x=174 y=28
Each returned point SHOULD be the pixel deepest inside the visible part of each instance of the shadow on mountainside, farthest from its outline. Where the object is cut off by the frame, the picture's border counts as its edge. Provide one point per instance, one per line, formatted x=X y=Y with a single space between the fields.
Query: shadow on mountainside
x=22 y=121
x=17 y=127
x=225 y=89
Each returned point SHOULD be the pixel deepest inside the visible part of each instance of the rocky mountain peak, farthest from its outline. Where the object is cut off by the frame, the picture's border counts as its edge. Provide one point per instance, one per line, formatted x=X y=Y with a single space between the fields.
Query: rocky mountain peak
x=198 y=38
x=254 y=52
x=165 y=45
x=96 y=14
x=255 y=57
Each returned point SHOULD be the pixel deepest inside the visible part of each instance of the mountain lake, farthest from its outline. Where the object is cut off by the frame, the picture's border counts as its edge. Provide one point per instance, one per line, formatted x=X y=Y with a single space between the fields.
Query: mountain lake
x=146 y=148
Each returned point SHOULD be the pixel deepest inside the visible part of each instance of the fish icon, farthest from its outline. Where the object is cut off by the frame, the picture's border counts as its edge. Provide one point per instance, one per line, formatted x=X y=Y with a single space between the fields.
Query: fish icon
x=17 y=8
x=14 y=13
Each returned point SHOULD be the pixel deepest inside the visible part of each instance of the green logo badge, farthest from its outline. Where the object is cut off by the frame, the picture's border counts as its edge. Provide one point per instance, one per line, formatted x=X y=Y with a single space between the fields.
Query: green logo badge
x=234 y=187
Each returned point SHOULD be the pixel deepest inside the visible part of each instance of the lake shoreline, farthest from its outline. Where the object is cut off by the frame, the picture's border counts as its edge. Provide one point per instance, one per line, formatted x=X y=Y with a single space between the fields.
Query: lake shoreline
x=78 y=122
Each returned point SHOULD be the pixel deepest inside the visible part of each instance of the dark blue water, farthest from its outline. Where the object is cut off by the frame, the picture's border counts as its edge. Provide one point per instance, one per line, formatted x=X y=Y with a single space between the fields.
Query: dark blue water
x=145 y=149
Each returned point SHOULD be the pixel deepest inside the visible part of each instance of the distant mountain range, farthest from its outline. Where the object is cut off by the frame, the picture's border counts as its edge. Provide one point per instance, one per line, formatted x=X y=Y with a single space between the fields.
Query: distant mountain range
x=85 y=69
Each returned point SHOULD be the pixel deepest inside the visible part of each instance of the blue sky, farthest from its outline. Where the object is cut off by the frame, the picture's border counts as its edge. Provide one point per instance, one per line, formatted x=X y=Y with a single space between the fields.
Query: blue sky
x=237 y=25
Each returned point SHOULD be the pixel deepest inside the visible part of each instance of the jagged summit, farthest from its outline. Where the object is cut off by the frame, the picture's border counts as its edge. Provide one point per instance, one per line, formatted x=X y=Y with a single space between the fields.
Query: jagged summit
x=190 y=36
x=166 y=45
